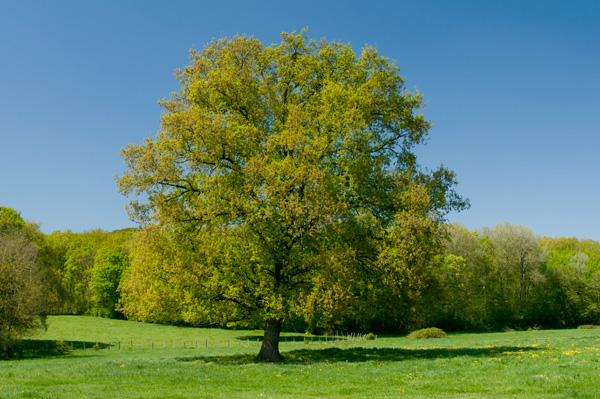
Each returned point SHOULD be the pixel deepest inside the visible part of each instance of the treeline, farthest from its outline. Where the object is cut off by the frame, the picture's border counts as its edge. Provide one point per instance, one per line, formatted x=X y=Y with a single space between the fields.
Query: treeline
x=507 y=276
x=492 y=278
x=88 y=270
x=73 y=273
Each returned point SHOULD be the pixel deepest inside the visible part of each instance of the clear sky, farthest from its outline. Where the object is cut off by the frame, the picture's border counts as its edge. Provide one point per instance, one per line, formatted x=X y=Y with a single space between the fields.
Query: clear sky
x=512 y=89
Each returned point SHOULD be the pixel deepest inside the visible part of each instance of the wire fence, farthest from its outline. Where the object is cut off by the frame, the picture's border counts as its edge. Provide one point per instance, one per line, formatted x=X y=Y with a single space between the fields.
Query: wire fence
x=204 y=343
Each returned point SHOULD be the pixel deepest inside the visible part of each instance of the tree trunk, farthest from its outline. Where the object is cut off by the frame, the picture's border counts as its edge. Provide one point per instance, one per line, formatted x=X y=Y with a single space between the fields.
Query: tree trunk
x=269 y=351
x=8 y=352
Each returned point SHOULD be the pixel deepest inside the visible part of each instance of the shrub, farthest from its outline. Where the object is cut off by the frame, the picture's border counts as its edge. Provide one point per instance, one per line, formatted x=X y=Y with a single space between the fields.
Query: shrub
x=426 y=333
x=306 y=340
x=370 y=336
x=62 y=346
x=588 y=327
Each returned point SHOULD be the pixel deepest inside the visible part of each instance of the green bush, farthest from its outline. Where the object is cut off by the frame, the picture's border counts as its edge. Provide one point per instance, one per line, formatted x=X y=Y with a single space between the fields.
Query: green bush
x=62 y=346
x=426 y=333
x=588 y=327
x=370 y=336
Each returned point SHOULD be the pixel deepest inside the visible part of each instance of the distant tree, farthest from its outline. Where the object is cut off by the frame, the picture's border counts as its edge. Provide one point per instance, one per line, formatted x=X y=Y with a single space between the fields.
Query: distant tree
x=111 y=263
x=76 y=278
x=23 y=298
x=475 y=281
x=109 y=266
x=88 y=268
x=574 y=277
x=74 y=255
x=10 y=220
x=22 y=302
x=277 y=168
x=518 y=257
x=467 y=267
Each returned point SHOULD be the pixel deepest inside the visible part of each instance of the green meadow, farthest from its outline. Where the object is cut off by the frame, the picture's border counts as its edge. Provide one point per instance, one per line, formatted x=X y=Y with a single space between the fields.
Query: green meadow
x=216 y=363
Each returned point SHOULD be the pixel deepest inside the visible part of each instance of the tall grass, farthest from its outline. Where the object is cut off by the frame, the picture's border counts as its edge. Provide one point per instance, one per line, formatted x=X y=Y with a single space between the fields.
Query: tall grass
x=551 y=364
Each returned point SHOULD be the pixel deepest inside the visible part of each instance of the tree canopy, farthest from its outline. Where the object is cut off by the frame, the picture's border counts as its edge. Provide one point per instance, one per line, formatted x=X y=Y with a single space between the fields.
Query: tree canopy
x=282 y=174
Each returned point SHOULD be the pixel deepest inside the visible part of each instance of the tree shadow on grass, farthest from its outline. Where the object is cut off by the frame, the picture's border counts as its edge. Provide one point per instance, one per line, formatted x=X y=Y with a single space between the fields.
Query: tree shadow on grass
x=37 y=349
x=359 y=354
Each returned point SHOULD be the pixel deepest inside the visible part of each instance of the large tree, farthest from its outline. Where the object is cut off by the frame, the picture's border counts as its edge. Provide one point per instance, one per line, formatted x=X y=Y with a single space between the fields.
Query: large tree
x=277 y=168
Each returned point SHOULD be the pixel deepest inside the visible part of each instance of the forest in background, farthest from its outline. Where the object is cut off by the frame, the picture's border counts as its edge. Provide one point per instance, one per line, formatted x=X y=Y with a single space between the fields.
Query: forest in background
x=489 y=279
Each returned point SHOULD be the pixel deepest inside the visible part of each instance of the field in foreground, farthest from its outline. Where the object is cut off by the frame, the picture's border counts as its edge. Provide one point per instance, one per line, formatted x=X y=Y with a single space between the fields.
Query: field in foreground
x=215 y=363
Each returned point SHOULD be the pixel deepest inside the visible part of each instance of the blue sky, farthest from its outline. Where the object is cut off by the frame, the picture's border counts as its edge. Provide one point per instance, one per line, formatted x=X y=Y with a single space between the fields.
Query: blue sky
x=512 y=89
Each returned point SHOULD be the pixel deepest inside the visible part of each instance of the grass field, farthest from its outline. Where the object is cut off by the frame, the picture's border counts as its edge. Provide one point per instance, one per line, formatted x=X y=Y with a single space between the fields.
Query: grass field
x=550 y=364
